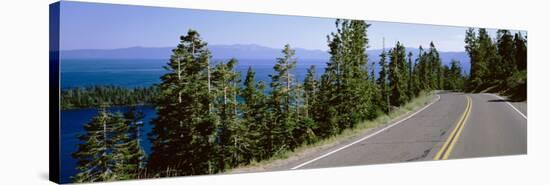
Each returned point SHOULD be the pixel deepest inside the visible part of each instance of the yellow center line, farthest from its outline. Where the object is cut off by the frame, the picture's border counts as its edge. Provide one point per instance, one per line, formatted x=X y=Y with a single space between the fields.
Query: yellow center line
x=449 y=144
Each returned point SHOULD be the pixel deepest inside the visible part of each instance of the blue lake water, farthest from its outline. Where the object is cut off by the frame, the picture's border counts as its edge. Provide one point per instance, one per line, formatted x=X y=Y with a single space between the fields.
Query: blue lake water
x=132 y=73
x=146 y=72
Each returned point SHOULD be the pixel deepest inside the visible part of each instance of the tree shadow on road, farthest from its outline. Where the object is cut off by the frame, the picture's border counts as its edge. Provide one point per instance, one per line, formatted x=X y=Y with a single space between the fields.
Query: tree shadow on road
x=504 y=100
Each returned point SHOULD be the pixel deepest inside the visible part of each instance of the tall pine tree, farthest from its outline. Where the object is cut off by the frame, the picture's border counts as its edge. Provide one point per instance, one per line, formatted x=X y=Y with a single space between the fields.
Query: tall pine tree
x=397 y=73
x=224 y=81
x=383 y=83
x=283 y=100
x=347 y=74
x=108 y=151
x=507 y=66
x=260 y=130
x=94 y=159
x=182 y=136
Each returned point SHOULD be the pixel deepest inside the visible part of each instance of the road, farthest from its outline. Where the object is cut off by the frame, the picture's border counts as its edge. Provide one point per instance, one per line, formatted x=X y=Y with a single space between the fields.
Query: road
x=456 y=126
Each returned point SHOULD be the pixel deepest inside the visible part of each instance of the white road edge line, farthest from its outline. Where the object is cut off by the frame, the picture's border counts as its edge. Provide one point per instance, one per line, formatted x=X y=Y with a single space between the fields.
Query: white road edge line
x=509 y=104
x=366 y=137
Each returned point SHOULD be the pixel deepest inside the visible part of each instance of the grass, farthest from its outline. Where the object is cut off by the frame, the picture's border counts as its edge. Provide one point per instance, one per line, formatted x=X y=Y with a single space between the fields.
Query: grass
x=359 y=129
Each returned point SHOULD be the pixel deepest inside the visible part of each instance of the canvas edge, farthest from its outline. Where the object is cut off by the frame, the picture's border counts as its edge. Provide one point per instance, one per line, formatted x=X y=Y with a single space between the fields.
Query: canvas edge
x=54 y=127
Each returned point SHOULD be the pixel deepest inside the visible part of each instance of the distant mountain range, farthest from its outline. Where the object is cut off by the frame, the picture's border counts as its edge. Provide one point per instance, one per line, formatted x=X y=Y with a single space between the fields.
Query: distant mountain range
x=239 y=51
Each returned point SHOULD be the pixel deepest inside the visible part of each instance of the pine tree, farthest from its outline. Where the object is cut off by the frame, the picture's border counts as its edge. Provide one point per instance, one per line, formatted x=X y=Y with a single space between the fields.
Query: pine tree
x=305 y=130
x=123 y=148
x=325 y=111
x=108 y=151
x=520 y=46
x=456 y=75
x=134 y=120
x=453 y=77
x=375 y=103
x=310 y=92
x=410 y=79
x=362 y=86
x=478 y=66
x=483 y=53
x=397 y=75
x=507 y=65
x=517 y=84
x=283 y=100
x=94 y=159
x=347 y=72
x=490 y=54
x=259 y=135
x=423 y=69
x=229 y=131
x=434 y=66
x=182 y=136
x=383 y=84
x=416 y=87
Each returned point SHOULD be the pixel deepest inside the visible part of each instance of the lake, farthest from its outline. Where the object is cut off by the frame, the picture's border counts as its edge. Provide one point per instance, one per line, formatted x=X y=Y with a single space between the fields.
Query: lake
x=132 y=73
x=146 y=72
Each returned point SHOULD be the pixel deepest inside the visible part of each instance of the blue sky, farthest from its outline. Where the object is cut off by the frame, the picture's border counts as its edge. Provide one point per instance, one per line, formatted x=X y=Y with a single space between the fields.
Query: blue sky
x=106 y=26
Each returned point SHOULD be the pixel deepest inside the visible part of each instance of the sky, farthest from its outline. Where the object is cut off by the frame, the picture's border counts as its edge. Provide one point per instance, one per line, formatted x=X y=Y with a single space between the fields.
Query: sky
x=107 y=26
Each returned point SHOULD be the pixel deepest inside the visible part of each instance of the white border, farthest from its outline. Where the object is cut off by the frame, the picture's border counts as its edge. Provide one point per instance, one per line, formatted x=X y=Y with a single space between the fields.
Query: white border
x=24 y=97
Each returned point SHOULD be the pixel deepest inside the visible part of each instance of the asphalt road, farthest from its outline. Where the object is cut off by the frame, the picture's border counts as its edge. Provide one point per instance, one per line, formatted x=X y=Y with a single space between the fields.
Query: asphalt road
x=486 y=127
x=493 y=129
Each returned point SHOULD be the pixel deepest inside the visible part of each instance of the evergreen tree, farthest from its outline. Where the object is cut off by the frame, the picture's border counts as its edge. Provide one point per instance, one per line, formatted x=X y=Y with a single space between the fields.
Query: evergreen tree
x=373 y=109
x=453 y=77
x=182 y=136
x=310 y=91
x=410 y=88
x=107 y=151
x=489 y=50
x=520 y=46
x=423 y=69
x=383 y=84
x=283 y=100
x=94 y=161
x=435 y=70
x=397 y=75
x=259 y=135
x=347 y=75
x=507 y=66
x=305 y=130
x=123 y=148
x=416 y=86
x=448 y=84
x=483 y=53
x=229 y=131
x=325 y=111
x=477 y=66
x=134 y=153
x=517 y=83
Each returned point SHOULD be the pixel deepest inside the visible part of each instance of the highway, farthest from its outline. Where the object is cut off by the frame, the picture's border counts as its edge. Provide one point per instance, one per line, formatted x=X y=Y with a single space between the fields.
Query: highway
x=454 y=126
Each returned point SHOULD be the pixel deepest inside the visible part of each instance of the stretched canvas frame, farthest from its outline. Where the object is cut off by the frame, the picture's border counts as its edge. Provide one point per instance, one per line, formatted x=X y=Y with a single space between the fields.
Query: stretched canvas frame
x=235 y=92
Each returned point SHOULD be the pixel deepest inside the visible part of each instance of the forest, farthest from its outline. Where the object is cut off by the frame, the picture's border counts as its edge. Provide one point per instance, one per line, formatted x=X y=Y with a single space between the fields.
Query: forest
x=497 y=66
x=209 y=121
x=94 y=96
